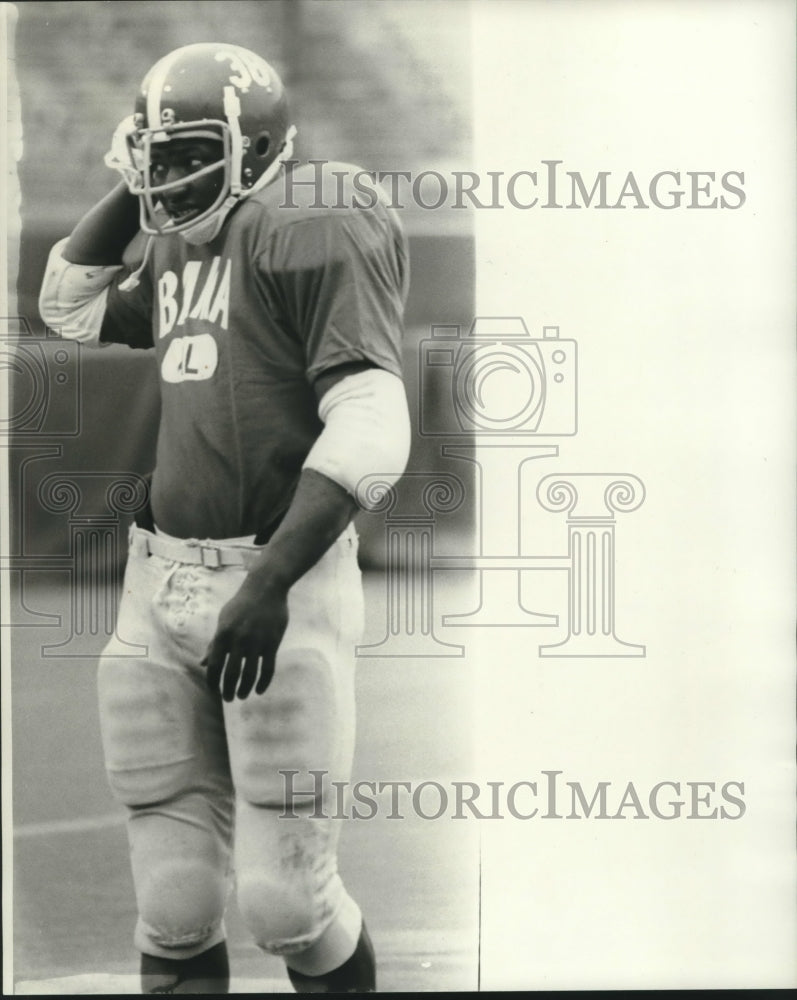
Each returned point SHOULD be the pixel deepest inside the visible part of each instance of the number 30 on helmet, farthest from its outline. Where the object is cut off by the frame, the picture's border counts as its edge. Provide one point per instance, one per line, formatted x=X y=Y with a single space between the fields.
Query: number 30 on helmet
x=211 y=91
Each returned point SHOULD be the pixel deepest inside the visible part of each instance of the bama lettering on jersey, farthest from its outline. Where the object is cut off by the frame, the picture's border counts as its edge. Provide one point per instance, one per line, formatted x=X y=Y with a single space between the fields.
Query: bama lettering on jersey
x=197 y=293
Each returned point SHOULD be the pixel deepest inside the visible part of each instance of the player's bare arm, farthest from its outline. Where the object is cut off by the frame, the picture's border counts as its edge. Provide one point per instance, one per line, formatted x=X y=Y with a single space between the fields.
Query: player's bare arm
x=251 y=625
x=105 y=230
x=366 y=431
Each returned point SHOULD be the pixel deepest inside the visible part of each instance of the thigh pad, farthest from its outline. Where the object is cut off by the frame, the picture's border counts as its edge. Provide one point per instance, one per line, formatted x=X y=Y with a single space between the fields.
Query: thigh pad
x=147 y=726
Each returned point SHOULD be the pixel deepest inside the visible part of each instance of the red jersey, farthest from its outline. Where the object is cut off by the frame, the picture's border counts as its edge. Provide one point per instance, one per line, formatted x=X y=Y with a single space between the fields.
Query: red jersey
x=243 y=326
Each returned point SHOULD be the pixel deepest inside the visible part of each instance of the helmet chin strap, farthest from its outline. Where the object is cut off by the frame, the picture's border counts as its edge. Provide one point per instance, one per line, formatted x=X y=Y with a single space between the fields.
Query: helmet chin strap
x=208 y=229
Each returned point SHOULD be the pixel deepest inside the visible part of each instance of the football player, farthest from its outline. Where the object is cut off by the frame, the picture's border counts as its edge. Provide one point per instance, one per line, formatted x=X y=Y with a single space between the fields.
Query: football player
x=276 y=321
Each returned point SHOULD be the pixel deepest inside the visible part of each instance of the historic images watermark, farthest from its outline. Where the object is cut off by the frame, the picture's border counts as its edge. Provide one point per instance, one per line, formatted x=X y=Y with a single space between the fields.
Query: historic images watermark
x=498 y=398
x=550 y=185
x=551 y=795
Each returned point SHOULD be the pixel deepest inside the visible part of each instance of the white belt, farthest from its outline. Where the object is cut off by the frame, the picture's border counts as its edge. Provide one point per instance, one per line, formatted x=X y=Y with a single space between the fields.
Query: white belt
x=195 y=552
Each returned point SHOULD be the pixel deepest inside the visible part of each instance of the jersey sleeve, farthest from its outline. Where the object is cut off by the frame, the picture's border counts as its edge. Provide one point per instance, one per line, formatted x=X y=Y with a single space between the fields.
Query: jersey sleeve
x=128 y=310
x=340 y=283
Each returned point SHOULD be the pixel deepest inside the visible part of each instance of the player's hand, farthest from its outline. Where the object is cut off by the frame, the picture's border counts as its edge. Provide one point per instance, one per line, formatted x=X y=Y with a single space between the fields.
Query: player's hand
x=243 y=651
x=124 y=157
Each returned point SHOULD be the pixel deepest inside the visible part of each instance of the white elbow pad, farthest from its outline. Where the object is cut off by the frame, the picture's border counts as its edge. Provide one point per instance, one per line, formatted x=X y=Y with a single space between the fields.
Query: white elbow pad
x=73 y=296
x=366 y=430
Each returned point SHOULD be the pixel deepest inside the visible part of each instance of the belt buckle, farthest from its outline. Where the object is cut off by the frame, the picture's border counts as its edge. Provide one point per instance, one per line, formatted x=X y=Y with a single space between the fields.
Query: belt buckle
x=211 y=557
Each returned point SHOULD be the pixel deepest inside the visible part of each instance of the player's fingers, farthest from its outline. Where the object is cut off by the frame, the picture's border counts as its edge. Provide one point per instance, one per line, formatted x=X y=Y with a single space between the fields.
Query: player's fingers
x=214 y=664
x=266 y=674
x=248 y=675
x=232 y=673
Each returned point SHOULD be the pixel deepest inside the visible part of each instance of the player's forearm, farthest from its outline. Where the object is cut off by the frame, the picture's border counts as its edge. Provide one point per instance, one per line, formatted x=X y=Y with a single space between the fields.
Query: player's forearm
x=318 y=514
x=105 y=230
x=366 y=431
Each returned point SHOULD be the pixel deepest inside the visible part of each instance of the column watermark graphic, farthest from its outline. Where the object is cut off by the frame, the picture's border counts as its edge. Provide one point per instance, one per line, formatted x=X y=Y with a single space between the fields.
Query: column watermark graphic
x=591 y=501
x=94 y=555
x=495 y=396
x=82 y=512
x=410 y=509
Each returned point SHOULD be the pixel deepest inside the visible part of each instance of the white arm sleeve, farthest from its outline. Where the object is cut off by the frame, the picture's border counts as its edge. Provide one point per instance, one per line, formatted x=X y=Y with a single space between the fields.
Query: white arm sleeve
x=73 y=296
x=366 y=430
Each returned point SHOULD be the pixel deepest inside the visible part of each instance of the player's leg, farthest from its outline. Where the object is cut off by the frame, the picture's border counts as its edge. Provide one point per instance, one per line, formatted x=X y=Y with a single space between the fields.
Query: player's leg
x=286 y=749
x=165 y=753
x=205 y=973
x=182 y=881
x=289 y=890
x=356 y=975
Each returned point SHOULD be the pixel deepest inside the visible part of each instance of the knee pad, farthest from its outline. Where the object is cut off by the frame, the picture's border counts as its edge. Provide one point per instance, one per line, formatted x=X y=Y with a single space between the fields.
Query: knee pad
x=283 y=916
x=181 y=906
x=288 y=886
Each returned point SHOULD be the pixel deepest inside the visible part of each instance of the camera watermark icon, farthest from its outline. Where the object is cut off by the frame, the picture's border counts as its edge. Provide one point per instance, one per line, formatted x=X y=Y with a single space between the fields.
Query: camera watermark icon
x=495 y=396
x=496 y=379
x=44 y=382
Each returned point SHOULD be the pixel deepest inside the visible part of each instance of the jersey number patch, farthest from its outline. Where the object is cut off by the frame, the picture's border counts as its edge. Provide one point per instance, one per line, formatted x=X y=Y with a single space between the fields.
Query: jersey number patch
x=190 y=359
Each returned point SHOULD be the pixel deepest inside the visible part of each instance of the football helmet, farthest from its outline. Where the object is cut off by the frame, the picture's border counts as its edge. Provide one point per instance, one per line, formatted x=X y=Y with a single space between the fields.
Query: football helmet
x=210 y=91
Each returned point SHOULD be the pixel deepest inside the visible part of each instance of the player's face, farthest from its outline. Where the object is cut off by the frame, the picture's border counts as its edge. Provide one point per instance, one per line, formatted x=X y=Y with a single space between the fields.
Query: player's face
x=175 y=161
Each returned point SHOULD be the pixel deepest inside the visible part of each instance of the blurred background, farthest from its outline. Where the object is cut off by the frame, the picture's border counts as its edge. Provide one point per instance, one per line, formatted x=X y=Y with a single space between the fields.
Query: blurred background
x=385 y=85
